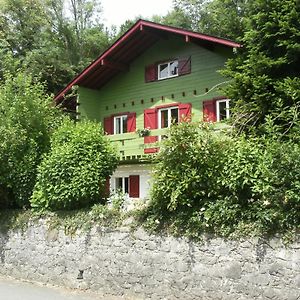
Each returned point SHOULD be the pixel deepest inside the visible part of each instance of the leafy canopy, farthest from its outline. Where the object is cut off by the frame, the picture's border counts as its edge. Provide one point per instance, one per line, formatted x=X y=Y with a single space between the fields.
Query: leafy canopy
x=265 y=88
x=211 y=182
x=74 y=172
x=27 y=120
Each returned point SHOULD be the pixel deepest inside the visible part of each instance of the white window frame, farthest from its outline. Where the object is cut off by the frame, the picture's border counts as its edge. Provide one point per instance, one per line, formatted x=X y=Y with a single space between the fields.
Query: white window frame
x=123 y=184
x=227 y=101
x=121 y=127
x=169 y=116
x=169 y=69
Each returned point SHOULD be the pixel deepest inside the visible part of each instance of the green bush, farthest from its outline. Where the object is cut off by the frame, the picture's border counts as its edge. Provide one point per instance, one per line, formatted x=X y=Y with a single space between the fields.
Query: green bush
x=27 y=119
x=73 y=173
x=208 y=181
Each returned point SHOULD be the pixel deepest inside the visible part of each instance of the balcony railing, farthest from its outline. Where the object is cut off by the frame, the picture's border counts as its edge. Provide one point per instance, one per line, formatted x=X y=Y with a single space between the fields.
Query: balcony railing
x=131 y=146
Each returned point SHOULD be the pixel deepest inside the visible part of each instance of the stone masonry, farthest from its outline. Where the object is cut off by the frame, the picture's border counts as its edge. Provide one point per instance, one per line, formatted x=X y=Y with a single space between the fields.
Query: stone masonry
x=141 y=266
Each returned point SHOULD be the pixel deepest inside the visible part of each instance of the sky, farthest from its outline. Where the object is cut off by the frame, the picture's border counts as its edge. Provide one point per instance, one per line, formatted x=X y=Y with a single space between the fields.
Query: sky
x=117 y=12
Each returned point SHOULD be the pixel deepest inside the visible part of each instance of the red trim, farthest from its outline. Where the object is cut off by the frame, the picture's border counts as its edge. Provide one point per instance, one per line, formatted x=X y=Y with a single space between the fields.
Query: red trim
x=209 y=111
x=150 y=121
x=193 y=34
x=98 y=60
x=107 y=187
x=140 y=24
x=134 y=186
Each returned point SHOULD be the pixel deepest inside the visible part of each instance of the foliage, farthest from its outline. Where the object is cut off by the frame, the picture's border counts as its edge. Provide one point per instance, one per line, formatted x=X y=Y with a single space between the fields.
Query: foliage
x=27 y=120
x=60 y=35
x=74 y=172
x=266 y=86
x=224 y=18
x=176 y=18
x=69 y=221
x=210 y=182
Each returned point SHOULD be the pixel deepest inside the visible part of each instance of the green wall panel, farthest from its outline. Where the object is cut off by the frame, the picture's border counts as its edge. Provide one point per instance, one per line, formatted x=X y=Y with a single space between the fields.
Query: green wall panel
x=129 y=87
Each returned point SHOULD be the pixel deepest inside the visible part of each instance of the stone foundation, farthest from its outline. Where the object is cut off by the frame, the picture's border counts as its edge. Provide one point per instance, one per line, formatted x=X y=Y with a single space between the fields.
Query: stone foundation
x=142 y=266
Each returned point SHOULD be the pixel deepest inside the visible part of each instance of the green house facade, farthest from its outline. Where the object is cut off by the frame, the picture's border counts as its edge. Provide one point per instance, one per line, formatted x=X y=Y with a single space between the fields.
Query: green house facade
x=152 y=76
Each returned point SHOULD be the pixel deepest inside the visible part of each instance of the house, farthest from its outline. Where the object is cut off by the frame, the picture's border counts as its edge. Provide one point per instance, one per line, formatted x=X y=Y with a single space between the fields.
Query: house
x=151 y=76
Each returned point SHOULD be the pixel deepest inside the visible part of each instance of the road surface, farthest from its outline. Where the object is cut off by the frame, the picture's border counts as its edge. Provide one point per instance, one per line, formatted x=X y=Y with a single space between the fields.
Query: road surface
x=19 y=290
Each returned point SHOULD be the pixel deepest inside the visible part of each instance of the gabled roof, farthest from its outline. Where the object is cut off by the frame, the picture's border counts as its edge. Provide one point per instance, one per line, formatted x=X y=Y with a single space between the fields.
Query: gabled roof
x=142 y=35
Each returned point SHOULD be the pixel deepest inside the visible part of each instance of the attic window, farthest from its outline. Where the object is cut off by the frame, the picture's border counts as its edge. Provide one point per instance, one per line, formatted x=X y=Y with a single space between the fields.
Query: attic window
x=167 y=70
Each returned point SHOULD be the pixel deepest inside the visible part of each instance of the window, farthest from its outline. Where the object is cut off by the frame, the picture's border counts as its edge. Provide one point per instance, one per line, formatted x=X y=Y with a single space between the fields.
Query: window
x=120 y=124
x=122 y=184
x=128 y=184
x=216 y=110
x=222 y=109
x=167 y=116
x=168 y=69
x=162 y=117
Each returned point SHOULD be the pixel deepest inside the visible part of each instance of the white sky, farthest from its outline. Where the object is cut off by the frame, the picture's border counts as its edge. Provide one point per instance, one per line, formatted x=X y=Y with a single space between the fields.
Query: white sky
x=116 y=12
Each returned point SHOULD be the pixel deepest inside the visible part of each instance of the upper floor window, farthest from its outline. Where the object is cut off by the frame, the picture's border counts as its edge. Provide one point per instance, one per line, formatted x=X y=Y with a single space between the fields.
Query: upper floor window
x=120 y=124
x=168 y=69
x=168 y=116
x=223 y=109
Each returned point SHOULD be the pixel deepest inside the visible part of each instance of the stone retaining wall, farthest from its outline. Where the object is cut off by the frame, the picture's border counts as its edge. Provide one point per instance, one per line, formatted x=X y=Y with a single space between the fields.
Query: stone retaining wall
x=140 y=266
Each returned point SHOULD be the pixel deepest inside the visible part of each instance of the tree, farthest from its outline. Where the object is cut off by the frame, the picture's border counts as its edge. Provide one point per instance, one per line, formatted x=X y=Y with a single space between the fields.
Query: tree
x=223 y=18
x=74 y=172
x=265 y=90
x=27 y=119
x=176 y=18
x=62 y=36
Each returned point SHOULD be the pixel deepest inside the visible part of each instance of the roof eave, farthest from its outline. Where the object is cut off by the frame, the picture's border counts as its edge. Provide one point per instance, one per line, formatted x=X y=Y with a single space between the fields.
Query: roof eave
x=139 y=26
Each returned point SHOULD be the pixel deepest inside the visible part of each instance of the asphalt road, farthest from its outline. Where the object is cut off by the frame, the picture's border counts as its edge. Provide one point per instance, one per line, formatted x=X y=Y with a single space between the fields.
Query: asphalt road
x=19 y=290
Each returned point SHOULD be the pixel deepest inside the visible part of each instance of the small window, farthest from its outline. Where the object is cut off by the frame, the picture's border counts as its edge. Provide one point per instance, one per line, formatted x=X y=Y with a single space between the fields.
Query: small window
x=122 y=184
x=120 y=124
x=168 y=116
x=222 y=109
x=168 y=69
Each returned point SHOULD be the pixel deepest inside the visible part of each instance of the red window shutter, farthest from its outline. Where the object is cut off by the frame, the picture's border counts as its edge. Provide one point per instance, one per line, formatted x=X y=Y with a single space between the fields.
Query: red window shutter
x=209 y=111
x=107 y=187
x=184 y=66
x=185 y=112
x=108 y=125
x=131 y=122
x=134 y=186
x=150 y=121
x=151 y=73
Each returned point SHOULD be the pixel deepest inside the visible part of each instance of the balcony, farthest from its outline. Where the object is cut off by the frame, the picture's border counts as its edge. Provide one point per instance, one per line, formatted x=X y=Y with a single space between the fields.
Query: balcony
x=131 y=146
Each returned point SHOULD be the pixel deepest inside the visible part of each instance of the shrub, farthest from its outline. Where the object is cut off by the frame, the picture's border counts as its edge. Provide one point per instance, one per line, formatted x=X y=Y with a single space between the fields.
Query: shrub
x=74 y=172
x=27 y=119
x=206 y=181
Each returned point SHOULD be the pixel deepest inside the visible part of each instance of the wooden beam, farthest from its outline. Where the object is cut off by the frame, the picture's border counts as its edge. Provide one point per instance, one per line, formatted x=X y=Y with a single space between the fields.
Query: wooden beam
x=157 y=35
x=114 y=65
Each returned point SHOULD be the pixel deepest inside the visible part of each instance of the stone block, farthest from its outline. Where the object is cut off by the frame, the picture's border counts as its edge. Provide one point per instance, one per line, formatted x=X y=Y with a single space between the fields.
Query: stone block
x=233 y=270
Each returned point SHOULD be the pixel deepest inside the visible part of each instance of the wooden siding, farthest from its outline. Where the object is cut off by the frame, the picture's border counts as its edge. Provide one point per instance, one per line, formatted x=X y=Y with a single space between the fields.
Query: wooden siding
x=129 y=88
